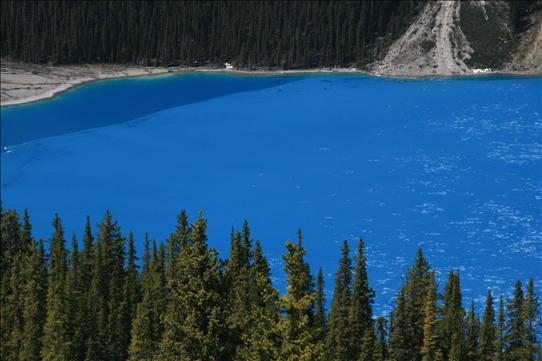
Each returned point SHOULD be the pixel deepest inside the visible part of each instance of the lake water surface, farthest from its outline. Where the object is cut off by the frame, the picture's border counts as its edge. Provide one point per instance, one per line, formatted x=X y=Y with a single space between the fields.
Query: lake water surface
x=452 y=165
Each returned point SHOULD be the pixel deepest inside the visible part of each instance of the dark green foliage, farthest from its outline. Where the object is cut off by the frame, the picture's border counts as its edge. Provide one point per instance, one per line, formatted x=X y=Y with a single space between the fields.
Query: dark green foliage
x=361 y=313
x=194 y=320
x=56 y=340
x=430 y=350
x=488 y=331
x=320 y=311
x=340 y=330
x=381 y=339
x=366 y=351
x=296 y=328
x=487 y=33
x=516 y=336
x=472 y=336
x=285 y=34
x=406 y=335
x=452 y=325
x=187 y=304
x=147 y=327
x=500 y=330
x=532 y=322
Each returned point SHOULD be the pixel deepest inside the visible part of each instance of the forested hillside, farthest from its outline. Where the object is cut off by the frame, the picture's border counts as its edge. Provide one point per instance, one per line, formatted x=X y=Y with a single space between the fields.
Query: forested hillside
x=180 y=301
x=277 y=34
x=286 y=34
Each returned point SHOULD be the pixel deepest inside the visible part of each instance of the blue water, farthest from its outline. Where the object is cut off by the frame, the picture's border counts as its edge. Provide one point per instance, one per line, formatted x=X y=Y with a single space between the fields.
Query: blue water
x=108 y=102
x=452 y=165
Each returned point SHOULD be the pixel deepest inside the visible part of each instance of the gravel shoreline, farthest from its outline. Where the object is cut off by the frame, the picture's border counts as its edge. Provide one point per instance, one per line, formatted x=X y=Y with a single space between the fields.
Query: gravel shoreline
x=25 y=83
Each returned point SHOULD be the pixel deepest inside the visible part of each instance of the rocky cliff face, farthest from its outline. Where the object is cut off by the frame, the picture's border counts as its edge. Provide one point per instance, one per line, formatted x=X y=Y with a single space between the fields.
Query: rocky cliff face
x=461 y=37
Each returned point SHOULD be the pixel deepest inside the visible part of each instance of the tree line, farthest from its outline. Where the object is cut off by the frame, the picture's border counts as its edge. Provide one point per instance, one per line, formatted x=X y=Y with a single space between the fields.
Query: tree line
x=249 y=34
x=182 y=302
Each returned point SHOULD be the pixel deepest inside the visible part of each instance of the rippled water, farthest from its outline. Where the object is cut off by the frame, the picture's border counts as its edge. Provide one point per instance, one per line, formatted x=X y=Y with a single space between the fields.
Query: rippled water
x=452 y=165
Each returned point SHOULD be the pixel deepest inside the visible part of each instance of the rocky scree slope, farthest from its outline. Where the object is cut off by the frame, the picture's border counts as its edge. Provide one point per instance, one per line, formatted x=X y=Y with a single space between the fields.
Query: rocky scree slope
x=462 y=37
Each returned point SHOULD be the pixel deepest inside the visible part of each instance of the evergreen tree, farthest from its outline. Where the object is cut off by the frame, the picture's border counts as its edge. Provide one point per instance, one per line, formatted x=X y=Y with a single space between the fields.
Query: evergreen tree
x=452 y=325
x=239 y=287
x=532 y=322
x=361 y=313
x=56 y=342
x=105 y=291
x=516 y=333
x=406 y=334
x=472 y=336
x=381 y=344
x=488 y=332
x=297 y=304
x=176 y=241
x=147 y=328
x=73 y=296
x=430 y=349
x=9 y=239
x=366 y=352
x=320 y=312
x=34 y=291
x=500 y=330
x=13 y=345
x=84 y=316
x=131 y=294
x=195 y=317
x=262 y=343
x=339 y=318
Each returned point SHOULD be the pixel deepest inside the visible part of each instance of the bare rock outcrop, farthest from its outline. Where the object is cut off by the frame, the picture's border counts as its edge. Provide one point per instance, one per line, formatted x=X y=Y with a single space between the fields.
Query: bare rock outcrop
x=464 y=37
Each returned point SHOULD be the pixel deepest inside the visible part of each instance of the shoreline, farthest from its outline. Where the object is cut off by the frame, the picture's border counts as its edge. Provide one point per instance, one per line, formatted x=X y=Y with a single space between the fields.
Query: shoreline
x=28 y=83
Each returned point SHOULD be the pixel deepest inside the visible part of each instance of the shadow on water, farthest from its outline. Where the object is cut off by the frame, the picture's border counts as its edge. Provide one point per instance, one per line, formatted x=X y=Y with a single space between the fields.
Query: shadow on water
x=115 y=101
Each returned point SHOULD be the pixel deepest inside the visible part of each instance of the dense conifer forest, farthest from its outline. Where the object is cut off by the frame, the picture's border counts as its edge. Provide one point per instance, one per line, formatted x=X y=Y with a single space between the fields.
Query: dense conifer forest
x=249 y=34
x=285 y=34
x=180 y=301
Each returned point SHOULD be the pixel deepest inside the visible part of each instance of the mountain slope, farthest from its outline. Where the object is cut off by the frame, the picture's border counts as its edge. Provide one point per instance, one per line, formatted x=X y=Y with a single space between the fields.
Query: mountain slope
x=455 y=37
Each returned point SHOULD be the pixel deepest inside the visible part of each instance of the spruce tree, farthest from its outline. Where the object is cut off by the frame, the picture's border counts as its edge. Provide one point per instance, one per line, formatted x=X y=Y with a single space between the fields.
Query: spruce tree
x=34 y=290
x=472 y=336
x=84 y=317
x=73 y=295
x=132 y=292
x=239 y=285
x=366 y=352
x=406 y=333
x=516 y=333
x=117 y=310
x=501 y=328
x=9 y=239
x=106 y=284
x=194 y=320
x=146 y=328
x=361 y=312
x=339 y=332
x=298 y=340
x=320 y=312
x=452 y=325
x=488 y=331
x=430 y=350
x=532 y=322
x=262 y=342
x=56 y=342
x=381 y=343
x=176 y=241
x=14 y=308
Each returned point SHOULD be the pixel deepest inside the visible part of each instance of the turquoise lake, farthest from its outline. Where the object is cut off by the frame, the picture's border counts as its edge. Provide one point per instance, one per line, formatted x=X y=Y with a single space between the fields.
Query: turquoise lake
x=451 y=165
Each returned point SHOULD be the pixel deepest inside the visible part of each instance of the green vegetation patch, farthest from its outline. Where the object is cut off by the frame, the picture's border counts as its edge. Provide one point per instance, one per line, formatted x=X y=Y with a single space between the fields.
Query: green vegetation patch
x=490 y=39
